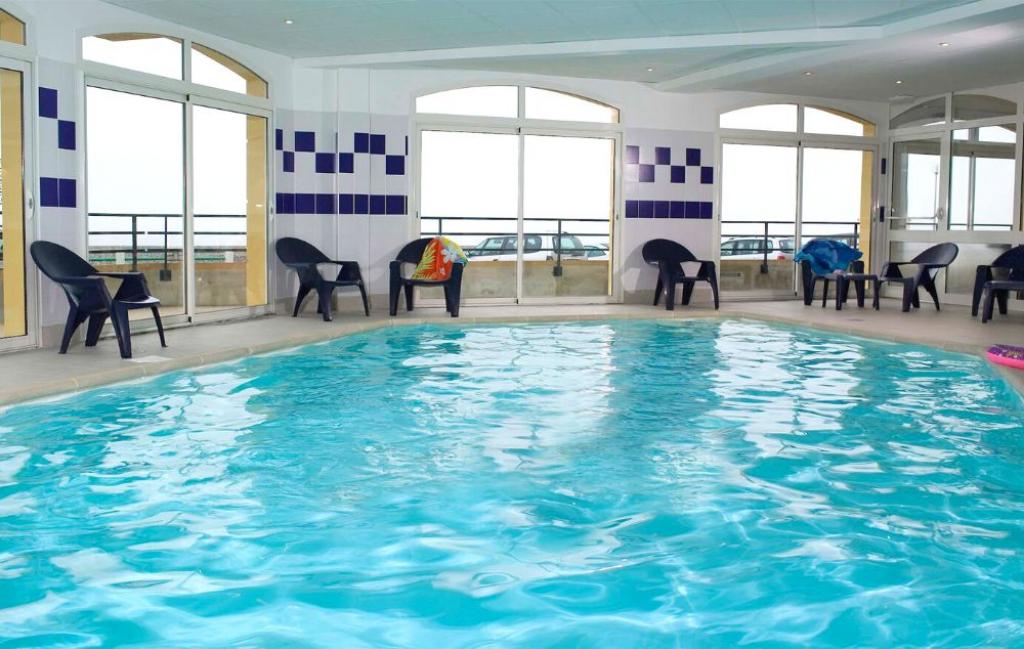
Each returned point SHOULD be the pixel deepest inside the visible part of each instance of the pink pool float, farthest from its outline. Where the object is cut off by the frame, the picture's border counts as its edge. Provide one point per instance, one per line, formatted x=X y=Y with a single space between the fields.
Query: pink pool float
x=1008 y=355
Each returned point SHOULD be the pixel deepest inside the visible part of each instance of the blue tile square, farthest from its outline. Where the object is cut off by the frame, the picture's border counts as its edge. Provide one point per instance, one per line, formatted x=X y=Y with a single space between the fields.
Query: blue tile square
x=646 y=209
x=278 y=139
x=285 y=203
x=647 y=173
x=632 y=209
x=632 y=154
x=345 y=204
x=378 y=204
x=677 y=210
x=346 y=163
x=661 y=209
x=305 y=204
x=395 y=204
x=288 y=161
x=362 y=204
x=325 y=202
x=707 y=210
x=65 y=135
x=361 y=143
x=49 y=192
x=305 y=141
x=68 y=192
x=325 y=163
x=394 y=165
x=707 y=175
x=377 y=142
x=692 y=210
x=47 y=102
x=662 y=155
x=693 y=157
x=678 y=173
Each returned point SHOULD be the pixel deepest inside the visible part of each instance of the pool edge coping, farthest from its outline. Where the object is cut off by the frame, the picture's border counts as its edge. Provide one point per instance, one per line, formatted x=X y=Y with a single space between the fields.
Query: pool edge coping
x=73 y=385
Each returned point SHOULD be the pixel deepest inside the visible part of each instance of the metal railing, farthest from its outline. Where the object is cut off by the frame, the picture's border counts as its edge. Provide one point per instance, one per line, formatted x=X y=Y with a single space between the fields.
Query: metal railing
x=806 y=233
x=171 y=225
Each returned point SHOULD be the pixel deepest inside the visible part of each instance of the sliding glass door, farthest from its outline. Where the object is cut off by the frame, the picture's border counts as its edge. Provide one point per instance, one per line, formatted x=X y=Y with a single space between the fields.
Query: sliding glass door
x=14 y=290
x=534 y=211
x=201 y=250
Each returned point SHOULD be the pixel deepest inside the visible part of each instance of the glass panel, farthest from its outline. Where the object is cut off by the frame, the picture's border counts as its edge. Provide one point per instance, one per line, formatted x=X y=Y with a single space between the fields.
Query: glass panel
x=211 y=68
x=915 y=192
x=758 y=206
x=568 y=198
x=12 y=30
x=769 y=117
x=930 y=112
x=12 y=208
x=149 y=53
x=484 y=101
x=835 y=122
x=548 y=104
x=959 y=278
x=837 y=196
x=968 y=107
x=469 y=191
x=981 y=179
x=135 y=162
x=230 y=209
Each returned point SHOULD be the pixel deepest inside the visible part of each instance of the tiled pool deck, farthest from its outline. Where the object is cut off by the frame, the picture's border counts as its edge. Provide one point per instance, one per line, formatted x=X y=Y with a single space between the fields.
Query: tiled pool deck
x=42 y=372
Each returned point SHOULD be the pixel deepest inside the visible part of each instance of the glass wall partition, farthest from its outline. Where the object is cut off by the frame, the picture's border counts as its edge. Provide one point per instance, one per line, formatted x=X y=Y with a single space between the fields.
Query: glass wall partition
x=14 y=326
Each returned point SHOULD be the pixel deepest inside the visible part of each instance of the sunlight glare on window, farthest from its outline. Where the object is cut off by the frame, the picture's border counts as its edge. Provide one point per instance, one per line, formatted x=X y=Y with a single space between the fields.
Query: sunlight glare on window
x=148 y=53
x=211 y=68
x=482 y=101
x=768 y=117
x=827 y=121
x=550 y=104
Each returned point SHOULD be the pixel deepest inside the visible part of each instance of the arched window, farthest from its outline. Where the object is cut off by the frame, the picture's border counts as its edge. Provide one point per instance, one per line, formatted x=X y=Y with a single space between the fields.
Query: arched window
x=968 y=107
x=782 y=118
x=829 y=121
x=217 y=70
x=12 y=30
x=503 y=101
x=766 y=117
x=926 y=113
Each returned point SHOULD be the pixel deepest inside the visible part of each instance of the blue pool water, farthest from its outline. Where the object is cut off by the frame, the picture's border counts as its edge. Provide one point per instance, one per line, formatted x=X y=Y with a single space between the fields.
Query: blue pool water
x=642 y=484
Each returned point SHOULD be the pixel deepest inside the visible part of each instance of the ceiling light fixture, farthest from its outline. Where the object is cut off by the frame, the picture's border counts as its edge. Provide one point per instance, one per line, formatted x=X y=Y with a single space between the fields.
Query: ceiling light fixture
x=808 y=74
x=943 y=44
x=898 y=82
x=650 y=69
x=289 y=21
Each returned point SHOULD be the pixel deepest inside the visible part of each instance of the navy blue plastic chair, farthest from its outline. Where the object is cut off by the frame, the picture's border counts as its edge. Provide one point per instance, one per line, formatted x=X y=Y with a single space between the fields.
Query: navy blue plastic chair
x=669 y=257
x=995 y=281
x=89 y=298
x=810 y=279
x=304 y=258
x=411 y=254
x=928 y=263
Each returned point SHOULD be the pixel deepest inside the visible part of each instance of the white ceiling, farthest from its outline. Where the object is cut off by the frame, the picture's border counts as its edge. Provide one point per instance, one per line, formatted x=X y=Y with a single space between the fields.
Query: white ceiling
x=856 y=48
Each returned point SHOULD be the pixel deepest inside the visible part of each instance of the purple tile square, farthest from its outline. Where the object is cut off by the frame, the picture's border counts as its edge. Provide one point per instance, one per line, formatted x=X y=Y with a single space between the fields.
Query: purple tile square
x=361 y=204
x=632 y=154
x=305 y=141
x=394 y=165
x=693 y=157
x=377 y=142
x=662 y=155
x=65 y=135
x=288 y=161
x=395 y=204
x=49 y=192
x=346 y=163
x=661 y=209
x=68 y=192
x=378 y=204
x=325 y=203
x=677 y=210
x=692 y=210
x=345 y=204
x=305 y=204
x=646 y=209
x=647 y=173
x=707 y=210
x=632 y=209
x=707 y=175
x=361 y=143
x=285 y=203
x=325 y=163
x=278 y=139
x=47 y=102
x=678 y=173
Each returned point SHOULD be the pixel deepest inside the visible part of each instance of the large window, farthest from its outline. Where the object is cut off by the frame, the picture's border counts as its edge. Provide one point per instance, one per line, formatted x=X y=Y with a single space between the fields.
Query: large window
x=202 y=247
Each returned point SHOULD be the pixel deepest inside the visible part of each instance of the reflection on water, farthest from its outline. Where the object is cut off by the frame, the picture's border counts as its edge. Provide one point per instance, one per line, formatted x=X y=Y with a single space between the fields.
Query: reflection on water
x=601 y=484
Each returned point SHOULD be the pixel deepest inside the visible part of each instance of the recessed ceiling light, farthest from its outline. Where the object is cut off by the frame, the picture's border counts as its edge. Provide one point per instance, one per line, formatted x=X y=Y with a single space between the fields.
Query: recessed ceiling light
x=808 y=74
x=650 y=69
x=943 y=44
x=289 y=21
x=898 y=82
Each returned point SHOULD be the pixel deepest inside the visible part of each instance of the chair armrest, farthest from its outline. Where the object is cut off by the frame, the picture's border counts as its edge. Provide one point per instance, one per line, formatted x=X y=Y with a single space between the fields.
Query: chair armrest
x=891 y=270
x=395 y=268
x=83 y=280
x=856 y=266
x=125 y=275
x=707 y=268
x=348 y=271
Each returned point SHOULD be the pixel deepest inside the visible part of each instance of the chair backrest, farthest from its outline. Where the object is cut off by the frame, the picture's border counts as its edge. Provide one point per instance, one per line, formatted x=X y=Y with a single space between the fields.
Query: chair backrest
x=412 y=252
x=1013 y=260
x=657 y=250
x=296 y=251
x=942 y=254
x=56 y=261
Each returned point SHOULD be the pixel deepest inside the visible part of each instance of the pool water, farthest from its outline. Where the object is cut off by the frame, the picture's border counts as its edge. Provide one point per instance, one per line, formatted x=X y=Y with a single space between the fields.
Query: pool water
x=613 y=484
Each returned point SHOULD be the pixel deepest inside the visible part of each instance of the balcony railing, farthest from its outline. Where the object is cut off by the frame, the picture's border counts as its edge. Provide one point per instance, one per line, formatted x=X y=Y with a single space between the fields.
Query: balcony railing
x=809 y=230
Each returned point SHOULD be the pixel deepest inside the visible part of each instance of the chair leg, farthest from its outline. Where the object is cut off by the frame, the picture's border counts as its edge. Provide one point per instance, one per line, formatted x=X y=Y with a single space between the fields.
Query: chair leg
x=670 y=295
x=366 y=303
x=454 y=296
x=859 y=289
x=657 y=290
x=713 y=280
x=159 y=326
x=124 y=339
x=324 y=303
x=447 y=299
x=908 y=296
x=824 y=292
x=92 y=334
x=1002 y=298
x=303 y=292
x=986 y=313
x=408 y=297
x=394 y=294
x=74 y=319
x=930 y=287
x=876 y=291
x=687 y=292
x=842 y=286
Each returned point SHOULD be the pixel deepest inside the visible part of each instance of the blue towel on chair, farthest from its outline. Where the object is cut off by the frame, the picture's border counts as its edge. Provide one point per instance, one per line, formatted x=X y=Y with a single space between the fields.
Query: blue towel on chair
x=827 y=255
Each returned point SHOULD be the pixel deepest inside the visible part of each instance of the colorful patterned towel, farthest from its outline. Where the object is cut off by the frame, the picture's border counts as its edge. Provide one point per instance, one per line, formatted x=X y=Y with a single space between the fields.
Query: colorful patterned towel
x=827 y=255
x=436 y=263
